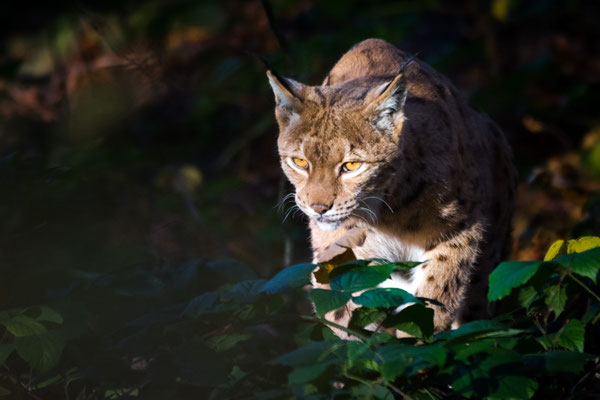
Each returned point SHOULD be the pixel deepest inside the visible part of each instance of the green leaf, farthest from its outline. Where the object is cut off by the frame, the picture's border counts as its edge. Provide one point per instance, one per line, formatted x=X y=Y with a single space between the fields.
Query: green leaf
x=308 y=354
x=225 y=342
x=572 y=336
x=353 y=278
x=405 y=265
x=372 y=391
x=470 y=382
x=416 y=320
x=385 y=297
x=491 y=376
x=5 y=350
x=247 y=291
x=67 y=377
x=292 y=277
x=407 y=360
x=510 y=275
x=308 y=373
x=327 y=300
x=433 y=354
x=358 y=353
x=559 y=361
x=364 y=316
x=512 y=387
x=527 y=296
x=347 y=259
x=491 y=347
x=473 y=329
x=127 y=392
x=585 y=264
x=556 y=299
x=41 y=352
x=48 y=314
x=591 y=313
x=207 y=303
x=22 y=325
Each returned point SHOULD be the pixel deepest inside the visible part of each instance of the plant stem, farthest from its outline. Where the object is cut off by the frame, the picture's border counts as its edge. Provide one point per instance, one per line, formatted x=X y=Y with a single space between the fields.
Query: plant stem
x=583 y=285
x=358 y=378
x=400 y=392
x=539 y=326
x=590 y=291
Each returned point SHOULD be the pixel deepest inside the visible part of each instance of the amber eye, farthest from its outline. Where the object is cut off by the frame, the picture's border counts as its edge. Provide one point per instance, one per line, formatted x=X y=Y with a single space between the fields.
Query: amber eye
x=300 y=162
x=351 y=166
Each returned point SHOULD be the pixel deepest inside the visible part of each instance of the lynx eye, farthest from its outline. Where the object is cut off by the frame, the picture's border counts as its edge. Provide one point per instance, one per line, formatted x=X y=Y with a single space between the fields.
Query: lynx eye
x=351 y=166
x=300 y=162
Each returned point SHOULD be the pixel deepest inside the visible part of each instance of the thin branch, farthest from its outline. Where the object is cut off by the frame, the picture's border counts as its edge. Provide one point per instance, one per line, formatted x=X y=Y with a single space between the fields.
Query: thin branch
x=583 y=285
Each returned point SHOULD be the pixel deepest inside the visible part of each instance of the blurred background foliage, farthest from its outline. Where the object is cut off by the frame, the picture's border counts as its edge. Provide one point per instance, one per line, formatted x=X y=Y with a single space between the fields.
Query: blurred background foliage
x=137 y=138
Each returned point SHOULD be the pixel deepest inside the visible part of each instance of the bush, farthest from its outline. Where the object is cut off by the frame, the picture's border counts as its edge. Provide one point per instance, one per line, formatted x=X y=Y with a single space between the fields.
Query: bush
x=232 y=342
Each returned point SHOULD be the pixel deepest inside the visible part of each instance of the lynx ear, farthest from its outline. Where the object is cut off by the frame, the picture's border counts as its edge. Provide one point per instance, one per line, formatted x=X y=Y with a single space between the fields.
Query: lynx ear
x=288 y=100
x=386 y=109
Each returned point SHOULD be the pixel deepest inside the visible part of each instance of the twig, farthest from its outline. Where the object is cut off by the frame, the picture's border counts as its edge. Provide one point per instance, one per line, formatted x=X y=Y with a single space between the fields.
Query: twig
x=539 y=326
x=397 y=390
x=583 y=379
x=583 y=285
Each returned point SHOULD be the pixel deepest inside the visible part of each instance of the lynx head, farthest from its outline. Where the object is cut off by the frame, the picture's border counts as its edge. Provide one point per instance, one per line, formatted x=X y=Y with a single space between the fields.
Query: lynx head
x=338 y=143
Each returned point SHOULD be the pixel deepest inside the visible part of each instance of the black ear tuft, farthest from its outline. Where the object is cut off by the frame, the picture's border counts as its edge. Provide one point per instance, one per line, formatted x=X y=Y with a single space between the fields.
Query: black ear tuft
x=289 y=100
x=287 y=91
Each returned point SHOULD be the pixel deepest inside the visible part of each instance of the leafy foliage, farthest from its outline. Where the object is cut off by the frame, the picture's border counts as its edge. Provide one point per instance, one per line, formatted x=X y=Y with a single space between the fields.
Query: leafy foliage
x=213 y=343
x=542 y=340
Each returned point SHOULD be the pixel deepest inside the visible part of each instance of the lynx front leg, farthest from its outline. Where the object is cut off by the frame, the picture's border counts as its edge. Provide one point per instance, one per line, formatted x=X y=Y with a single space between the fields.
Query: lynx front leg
x=446 y=275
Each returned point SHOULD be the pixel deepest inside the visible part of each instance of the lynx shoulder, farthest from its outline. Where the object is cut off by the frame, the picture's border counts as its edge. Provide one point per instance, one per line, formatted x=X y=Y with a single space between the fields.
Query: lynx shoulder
x=387 y=157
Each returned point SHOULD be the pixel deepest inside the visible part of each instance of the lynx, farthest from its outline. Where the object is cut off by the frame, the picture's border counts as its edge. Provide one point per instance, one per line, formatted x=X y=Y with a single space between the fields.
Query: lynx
x=388 y=159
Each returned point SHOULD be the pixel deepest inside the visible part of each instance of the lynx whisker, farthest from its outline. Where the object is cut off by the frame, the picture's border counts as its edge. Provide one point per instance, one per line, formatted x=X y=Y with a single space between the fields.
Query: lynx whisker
x=293 y=210
x=369 y=213
x=359 y=216
x=381 y=200
x=368 y=210
x=284 y=200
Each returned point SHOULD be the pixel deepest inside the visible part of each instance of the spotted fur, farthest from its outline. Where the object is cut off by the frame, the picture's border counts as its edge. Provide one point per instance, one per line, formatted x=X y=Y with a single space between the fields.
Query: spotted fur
x=437 y=178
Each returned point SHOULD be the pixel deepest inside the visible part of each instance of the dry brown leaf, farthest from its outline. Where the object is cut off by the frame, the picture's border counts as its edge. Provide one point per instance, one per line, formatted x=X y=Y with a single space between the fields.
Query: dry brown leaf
x=322 y=273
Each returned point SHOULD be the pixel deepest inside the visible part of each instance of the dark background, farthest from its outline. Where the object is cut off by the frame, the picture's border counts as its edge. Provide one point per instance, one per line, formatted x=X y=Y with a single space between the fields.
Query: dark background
x=139 y=137
x=143 y=132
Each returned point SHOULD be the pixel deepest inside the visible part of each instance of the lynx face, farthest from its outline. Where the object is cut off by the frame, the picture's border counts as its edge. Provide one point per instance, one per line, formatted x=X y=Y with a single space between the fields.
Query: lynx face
x=337 y=146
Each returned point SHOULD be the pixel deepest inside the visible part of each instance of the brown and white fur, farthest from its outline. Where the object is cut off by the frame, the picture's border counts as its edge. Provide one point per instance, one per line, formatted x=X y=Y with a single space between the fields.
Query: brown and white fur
x=436 y=179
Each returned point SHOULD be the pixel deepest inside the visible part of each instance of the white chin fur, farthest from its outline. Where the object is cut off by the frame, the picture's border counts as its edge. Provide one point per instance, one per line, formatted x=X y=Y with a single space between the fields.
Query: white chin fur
x=328 y=226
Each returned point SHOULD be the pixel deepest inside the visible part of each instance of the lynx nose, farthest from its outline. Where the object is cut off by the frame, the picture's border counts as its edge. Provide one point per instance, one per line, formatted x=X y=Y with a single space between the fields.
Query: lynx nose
x=320 y=208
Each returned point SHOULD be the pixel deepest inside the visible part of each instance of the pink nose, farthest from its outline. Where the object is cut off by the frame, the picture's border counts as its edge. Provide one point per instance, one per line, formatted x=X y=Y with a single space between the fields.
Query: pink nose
x=320 y=208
